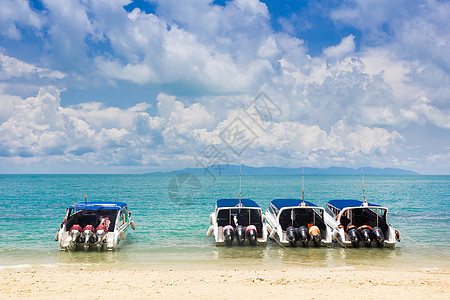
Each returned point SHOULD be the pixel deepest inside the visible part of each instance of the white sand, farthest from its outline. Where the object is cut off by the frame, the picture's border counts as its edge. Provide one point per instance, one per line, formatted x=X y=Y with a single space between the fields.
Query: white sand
x=240 y=282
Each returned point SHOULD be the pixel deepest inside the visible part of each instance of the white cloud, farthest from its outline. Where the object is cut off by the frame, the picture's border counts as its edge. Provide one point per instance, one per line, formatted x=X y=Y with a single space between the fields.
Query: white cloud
x=40 y=126
x=442 y=159
x=367 y=140
x=34 y=125
x=159 y=54
x=15 y=14
x=433 y=114
x=90 y=132
x=370 y=15
x=11 y=67
x=183 y=117
x=413 y=45
x=396 y=78
x=137 y=73
x=394 y=71
x=345 y=48
x=7 y=103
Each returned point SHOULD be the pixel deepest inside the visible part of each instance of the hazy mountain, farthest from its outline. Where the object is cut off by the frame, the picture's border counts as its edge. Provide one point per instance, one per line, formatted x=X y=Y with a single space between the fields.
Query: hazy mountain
x=247 y=170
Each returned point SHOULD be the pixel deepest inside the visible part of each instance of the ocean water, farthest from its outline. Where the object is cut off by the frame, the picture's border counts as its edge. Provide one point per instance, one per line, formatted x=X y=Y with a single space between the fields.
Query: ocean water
x=172 y=217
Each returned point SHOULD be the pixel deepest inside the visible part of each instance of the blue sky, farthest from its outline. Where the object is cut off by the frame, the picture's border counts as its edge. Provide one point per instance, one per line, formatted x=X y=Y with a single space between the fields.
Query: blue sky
x=127 y=86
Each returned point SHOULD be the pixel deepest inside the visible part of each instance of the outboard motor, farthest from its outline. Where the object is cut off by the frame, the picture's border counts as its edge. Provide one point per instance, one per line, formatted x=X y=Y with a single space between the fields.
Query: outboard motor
x=378 y=236
x=302 y=234
x=353 y=233
x=365 y=233
x=314 y=233
x=101 y=232
x=228 y=233
x=291 y=235
x=88 y=234
x=240 y=234
x=74 y=233
x=251 y=234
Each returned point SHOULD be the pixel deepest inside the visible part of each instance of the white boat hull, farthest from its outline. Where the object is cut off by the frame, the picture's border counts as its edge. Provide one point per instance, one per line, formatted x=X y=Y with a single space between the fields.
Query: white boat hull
x=277 y=234
x=110 y=242
x=340 y=237
x=94 y=226
x=219 y=237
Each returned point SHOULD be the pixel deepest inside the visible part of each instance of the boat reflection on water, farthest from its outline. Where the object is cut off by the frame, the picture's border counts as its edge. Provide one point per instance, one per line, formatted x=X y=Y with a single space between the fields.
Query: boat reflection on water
x=106 y=258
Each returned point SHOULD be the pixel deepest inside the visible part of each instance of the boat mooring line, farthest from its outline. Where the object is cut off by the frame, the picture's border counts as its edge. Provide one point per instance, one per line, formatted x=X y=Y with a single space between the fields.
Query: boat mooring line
x=342 y=244
x=70 y=254
x=279 y=243
x=422 y=244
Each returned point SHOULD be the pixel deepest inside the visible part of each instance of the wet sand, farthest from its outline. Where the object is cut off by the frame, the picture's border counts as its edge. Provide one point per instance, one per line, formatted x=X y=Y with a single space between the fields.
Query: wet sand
x=230 y=282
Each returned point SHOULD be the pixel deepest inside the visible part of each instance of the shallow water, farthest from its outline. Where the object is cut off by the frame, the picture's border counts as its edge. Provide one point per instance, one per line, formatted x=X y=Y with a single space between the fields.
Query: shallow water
x=172 y=220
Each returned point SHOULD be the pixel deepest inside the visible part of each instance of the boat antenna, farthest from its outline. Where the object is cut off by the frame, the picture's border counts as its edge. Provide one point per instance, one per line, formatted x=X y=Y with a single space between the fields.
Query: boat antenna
x=362 y=174
x=85 y=196
x=303 y=182
x=75 y=205
x=240 y=182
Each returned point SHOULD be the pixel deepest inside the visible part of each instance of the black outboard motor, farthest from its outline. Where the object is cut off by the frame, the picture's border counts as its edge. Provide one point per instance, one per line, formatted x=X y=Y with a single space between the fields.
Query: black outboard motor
x=365 y=233
x=378 y=236
x=251 y=234
x=240 y=235
x=353 y=233
x=228 y=233
x=302 y=234
x=291 y=235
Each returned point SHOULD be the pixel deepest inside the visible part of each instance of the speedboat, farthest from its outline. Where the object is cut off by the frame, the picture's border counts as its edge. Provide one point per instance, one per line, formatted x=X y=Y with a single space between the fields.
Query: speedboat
x=237 y=222
x=94 y=226
x=356 y=223
x=292 y=221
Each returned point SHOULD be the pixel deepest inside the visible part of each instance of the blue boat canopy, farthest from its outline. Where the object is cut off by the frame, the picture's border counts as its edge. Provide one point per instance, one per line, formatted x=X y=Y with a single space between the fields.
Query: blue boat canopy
x=341 y=204
x=235 y=202
x=280 y=203
x=98 y=205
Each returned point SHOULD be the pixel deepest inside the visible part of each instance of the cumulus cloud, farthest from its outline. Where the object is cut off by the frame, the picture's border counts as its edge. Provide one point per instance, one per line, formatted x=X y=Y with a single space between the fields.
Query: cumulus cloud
x=362 y=93
x=161 y=52
x=16 y=14
x=424 y=107
x=346 y=47
x=11 y=67
x=7 y=103
x=415 y=39
x=41 y=127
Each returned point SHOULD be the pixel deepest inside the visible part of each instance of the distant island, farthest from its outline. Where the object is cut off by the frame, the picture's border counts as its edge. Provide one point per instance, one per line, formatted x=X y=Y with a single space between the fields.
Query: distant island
x=247 y=170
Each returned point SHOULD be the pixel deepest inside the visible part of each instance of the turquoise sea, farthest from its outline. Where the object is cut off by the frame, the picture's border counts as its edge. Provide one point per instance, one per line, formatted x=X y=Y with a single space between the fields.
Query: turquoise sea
x=172 y=217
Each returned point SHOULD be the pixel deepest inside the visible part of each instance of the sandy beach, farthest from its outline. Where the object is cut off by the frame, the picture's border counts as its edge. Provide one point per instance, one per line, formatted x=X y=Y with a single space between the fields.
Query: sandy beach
x=228 y=283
